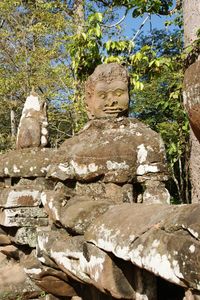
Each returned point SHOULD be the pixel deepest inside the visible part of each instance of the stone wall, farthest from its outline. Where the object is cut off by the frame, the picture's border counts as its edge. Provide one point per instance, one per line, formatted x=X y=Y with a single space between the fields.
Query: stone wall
x=71 y=227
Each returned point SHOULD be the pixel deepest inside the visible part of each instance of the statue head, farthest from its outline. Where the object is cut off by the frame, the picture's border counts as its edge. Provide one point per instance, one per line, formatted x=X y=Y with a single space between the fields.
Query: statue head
x=107 y=92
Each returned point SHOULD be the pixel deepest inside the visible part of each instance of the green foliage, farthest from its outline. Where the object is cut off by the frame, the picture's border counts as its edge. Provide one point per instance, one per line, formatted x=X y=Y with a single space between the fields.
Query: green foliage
x=41 y=47
x=159 y=104
x=118 y=46
x=156 y=73
x=84 y=46
x=28 y=49
x=141 y=6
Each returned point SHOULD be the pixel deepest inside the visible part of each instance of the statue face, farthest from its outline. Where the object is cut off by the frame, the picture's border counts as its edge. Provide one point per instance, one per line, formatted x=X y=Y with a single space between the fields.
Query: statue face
x=110 y=99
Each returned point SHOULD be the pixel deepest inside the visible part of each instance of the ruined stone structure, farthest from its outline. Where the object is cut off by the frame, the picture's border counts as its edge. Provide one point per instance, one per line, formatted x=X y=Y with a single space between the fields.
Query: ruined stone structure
x=92 y=219
x=32 y=131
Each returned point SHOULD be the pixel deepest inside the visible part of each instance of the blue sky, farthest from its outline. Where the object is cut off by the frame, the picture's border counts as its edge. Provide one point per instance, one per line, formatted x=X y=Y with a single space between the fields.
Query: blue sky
x=131 y=24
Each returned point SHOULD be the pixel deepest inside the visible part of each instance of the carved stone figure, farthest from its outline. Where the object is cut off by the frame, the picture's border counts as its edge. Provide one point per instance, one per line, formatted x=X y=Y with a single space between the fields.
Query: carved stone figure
x=107 y=93
x=121 y=150
x=32 y=130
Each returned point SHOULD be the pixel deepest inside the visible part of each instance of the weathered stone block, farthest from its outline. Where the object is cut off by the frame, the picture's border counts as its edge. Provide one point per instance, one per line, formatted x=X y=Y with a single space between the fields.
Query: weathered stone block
x=26 y=236
x=88 y=264
x=25 y=163
x=10 y=251
x=77 y=213
x=48 y=279
x=23 y=217
x=4 y=238
x=161 y=239
x=155 y=192
x=121 y=225
x=100 y=190
x=19 y=197
x=38 y=183
x=79 y=216
x=53 y=202
x=15 y=284
x=119 y=150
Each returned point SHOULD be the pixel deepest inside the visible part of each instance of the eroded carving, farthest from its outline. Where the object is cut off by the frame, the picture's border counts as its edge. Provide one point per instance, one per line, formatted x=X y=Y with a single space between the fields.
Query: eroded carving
x=32 y=130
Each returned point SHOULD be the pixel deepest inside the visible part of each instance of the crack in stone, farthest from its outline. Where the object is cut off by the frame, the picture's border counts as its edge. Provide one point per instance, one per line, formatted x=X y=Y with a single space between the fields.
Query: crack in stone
x=140 y=234
x=180 y=228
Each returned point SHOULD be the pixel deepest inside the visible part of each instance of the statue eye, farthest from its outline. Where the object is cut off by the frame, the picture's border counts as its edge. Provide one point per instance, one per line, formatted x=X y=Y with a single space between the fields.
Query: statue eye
x=118 y=93
x=102 y=95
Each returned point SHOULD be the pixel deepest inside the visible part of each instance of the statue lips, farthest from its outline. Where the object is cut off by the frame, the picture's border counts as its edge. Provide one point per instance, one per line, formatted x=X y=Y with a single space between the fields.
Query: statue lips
x=113 y=110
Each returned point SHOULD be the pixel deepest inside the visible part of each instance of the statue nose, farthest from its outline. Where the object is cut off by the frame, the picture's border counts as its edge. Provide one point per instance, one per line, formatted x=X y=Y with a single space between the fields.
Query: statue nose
x=111 y=101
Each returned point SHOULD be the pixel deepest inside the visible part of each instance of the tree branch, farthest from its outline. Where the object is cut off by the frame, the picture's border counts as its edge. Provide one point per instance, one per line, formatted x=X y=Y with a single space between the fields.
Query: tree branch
x=118 y=22
x=139 y=29
x=2 y=23
x=177 y=7
x=172 y=11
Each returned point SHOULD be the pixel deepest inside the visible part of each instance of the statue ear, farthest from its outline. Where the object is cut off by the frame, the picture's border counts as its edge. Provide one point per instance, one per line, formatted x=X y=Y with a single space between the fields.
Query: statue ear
x=90 y=113
x=89 y=109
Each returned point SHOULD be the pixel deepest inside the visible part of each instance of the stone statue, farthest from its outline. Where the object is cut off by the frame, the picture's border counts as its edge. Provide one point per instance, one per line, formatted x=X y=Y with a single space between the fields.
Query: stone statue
x=32 y=130
x=107 y=93
x=112 y=149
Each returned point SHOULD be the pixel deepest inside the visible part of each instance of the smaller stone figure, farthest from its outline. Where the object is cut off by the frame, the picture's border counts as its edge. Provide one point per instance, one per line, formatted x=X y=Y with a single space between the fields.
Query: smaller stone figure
x=32 y=130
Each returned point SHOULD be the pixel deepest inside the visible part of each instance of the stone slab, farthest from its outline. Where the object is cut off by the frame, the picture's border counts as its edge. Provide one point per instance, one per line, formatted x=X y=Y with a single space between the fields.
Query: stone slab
x=159 y=238
x=88 y=264
x=25 y=162
x=23 y=217
x=19 y=197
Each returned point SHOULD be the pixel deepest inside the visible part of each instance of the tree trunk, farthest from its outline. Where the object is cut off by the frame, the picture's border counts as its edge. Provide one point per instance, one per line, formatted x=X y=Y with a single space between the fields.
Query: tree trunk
x=191 y=13
x=79 y=14
x=13 y=123
x=79 y=20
